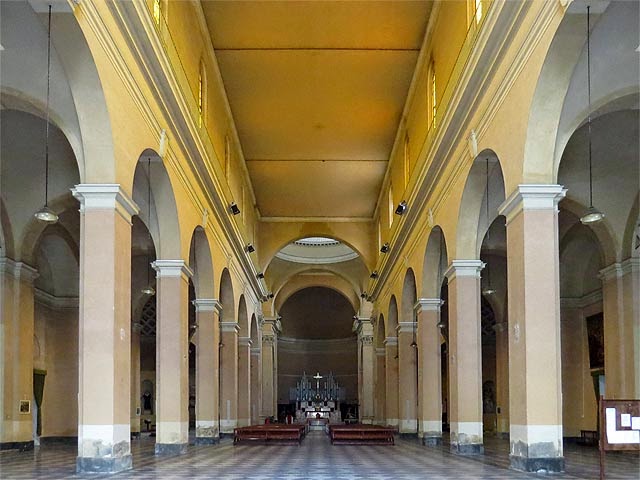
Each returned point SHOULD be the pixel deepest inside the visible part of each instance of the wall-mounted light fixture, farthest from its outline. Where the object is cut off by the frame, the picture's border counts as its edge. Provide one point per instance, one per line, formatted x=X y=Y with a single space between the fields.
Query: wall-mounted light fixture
x=374 y=274
x=401 y=208
x=250 y=248
x=271 y=295
x=385 y=248
x=260 y=275
x=233 y=208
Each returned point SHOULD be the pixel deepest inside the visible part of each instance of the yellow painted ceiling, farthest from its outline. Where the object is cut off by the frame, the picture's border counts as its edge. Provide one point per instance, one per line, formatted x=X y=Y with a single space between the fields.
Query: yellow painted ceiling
x=317 y=90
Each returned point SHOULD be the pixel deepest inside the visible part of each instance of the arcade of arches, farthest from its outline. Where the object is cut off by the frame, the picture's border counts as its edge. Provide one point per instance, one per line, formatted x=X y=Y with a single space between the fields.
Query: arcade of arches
x=386 y=192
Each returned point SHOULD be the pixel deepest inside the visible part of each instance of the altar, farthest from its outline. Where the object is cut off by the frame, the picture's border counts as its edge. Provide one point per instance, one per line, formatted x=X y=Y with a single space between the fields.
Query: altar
x=317 y=400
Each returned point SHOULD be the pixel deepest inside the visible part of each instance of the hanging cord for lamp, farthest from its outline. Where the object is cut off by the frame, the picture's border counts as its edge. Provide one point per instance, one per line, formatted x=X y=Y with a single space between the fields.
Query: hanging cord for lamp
x=592 y=215
x=488 y=290
x=149 y=290
x=45 y=214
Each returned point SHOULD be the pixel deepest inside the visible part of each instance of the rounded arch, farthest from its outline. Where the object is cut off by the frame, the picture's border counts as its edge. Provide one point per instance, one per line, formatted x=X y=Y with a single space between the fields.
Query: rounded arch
x=392 y=322
x=409 y=297
x=380 y=332
x=201 y=263
x=434 y=264
x=581 y=259
x=254 y=335
x=484 y=192
x=631 y=239
x=57 y=262
x=558 y=106
x=243 y=318
x=153 y=193
x=296 y=282
x=227 y=297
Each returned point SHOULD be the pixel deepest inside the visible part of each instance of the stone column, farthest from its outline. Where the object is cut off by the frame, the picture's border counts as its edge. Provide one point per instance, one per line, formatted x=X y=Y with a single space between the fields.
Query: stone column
x=430 y=359
x=172 y=356
x=407 y=377
x=535 y=392
x=16 y=361
x=502 y=380
x=367 y=359
x=104 y=396
x=465 y=357
x=135 y=379
x=381 y=393
x=621 y=305
x=229 y=372
x=270 y=328
x=256 y=382
x=391 y=347
x=207 y=370
x=244 y=381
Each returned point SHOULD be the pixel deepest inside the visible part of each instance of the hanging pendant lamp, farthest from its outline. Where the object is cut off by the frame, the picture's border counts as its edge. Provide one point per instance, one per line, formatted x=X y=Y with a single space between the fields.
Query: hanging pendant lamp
x=488 y=290
x=593 y=215
x=149 y=290
x=45 y=214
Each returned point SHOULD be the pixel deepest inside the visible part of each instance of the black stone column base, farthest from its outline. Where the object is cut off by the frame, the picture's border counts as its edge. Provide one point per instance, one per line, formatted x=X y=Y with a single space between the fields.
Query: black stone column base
x=467 y=448
x=539 y=465
x=432 y=441
x=21 y=446
x=167 y=449
x=103 y=465
x=207 y=440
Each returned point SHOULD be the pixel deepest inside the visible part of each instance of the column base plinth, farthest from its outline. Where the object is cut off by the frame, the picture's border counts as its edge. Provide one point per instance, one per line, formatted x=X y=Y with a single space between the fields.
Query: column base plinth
x=467 y=448
x=167 y=449
x=539 y=465
x=207 y=440
x=103 y=465
x=22 y=446
x=431 y=441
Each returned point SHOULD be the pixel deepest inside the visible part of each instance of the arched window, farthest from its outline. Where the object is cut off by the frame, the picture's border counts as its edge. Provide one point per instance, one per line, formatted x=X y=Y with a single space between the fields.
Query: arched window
x=202 y=89
x=407 y=159
x=157 y=11
x=433 y=96
x=391 y=206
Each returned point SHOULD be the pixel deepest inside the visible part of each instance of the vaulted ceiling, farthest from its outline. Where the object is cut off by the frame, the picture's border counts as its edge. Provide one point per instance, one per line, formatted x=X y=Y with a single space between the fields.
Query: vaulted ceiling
x=317 y=90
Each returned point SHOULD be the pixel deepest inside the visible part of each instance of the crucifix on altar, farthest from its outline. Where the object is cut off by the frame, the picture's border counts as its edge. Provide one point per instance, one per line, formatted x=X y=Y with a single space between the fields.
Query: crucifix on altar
x=317 y=376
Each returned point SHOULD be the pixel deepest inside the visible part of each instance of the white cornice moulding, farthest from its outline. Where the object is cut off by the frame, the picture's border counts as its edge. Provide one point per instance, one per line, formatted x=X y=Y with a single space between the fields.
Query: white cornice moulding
x=244 y=341
x=464 y=268
x=587 y=300
x=52 y=301
x=532 y=197
x=105 y=196
x=171 y=268
x=232 y=327
x=381 y=351
x=19 y=270
x=406 y=327
x=207 y=305
x=618 y=270
x=428 y=305
x=390 y=341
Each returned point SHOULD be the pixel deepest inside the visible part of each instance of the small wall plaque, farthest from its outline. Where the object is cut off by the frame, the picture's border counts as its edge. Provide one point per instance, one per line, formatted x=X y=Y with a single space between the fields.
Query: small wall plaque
x=24 y=407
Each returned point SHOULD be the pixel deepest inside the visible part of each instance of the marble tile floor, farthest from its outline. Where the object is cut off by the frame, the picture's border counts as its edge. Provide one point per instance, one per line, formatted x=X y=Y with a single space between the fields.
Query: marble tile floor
x=317 y=459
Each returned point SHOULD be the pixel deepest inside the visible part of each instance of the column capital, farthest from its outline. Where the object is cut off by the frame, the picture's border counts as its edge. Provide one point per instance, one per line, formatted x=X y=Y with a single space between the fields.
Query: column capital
x=532 y=197
x=268 y=339
x=464 y=268
x=19 y=270
x=207 y=305
x=428 y=305
x=390 y=341
x=105 y=196
x=255 y=351
x=380 y=351
x=244 y=341
x=172 y=268
x=406 y=327
x=232 y=327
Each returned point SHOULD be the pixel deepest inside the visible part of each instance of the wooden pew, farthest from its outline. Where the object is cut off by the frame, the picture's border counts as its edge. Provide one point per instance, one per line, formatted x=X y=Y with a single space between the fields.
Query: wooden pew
x=273 y=432
x=361 y=434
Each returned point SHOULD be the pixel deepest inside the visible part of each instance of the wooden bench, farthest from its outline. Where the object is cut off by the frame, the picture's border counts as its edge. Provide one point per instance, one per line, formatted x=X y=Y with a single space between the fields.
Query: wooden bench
x=273 y=432
x=361 y=434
